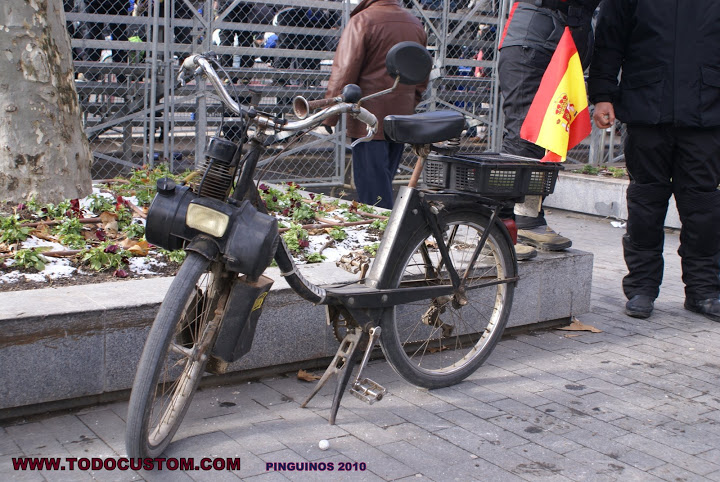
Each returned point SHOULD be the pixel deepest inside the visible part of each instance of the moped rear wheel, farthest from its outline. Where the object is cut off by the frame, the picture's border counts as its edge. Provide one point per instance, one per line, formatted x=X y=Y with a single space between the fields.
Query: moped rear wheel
x=439 y=342
x=175 y=355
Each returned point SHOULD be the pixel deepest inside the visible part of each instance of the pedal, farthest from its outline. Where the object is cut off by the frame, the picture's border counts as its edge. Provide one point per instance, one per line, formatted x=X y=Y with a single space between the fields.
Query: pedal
x=368 y=391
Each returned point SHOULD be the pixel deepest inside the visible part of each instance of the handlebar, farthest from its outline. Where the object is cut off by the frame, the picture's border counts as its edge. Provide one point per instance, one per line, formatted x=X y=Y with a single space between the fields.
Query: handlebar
x=199 y=64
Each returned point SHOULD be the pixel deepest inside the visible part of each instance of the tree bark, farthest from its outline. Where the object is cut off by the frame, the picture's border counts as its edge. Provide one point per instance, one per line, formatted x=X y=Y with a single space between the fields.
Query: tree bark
x=43 y=148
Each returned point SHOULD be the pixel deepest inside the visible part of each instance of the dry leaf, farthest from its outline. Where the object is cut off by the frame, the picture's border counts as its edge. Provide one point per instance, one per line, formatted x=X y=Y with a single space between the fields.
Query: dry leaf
x=4 y=248
x=137 y=248
x=436 y=349
x=109 y=221
x=577 y=326
x=43 y=232
x=306 y=376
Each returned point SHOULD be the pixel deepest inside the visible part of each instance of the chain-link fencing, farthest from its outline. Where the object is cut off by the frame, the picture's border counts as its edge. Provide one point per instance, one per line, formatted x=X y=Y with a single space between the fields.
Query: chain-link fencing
x=127 y=54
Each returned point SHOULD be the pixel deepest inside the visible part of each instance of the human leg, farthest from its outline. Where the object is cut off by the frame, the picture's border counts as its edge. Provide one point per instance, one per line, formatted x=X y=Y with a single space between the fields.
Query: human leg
x=373 y=171
x=520 y=70
x=696 y=175
x=648 y=155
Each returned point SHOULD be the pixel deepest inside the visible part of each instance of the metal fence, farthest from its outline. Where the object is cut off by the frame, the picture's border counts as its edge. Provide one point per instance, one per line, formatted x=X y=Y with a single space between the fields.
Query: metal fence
x=127 y=53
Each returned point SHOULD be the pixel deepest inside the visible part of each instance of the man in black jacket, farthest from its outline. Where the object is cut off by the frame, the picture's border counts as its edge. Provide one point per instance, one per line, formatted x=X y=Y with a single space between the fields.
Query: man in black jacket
x=531 y=36
x=669 y=97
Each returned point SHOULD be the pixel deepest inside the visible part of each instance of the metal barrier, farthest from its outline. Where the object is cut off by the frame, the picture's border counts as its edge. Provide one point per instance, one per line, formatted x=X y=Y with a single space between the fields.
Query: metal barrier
x=127 y=53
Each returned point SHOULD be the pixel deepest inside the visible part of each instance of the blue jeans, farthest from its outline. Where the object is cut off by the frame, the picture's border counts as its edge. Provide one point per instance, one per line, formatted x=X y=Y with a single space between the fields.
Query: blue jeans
x=374 y=167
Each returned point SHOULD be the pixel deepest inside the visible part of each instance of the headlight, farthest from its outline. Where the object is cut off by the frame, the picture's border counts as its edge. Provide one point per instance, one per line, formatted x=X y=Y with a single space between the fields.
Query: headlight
x=207 y=220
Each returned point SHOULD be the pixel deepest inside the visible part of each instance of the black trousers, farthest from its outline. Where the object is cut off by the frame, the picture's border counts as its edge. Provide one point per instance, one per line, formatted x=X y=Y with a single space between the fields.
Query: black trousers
x=683 y=161
x=520 y=70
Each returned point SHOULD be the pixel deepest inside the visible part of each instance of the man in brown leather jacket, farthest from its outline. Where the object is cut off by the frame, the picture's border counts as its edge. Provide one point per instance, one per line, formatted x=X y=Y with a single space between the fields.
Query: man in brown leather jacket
x=374 y=27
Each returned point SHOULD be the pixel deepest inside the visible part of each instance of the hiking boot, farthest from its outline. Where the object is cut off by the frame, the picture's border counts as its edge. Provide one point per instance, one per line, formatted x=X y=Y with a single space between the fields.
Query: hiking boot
x=543 y=237
x=709 y=308
x=524 y=252
x=639 y=306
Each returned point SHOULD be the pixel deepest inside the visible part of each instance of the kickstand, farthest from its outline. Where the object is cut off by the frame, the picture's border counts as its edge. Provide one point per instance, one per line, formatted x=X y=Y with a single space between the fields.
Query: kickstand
x=342 y=364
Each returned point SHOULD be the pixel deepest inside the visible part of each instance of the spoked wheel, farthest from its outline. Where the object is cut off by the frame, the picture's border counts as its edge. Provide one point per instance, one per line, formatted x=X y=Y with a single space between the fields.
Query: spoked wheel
x=439 y=342
x=175 y=354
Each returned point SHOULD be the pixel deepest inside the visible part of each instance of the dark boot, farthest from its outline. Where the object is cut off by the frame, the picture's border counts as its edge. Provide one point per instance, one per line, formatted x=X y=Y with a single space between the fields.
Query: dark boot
x=709 y=308
x=639 y=306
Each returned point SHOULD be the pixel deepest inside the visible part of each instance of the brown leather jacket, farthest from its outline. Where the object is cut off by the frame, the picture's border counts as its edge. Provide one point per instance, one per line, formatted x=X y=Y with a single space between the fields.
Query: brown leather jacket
x=374 y=27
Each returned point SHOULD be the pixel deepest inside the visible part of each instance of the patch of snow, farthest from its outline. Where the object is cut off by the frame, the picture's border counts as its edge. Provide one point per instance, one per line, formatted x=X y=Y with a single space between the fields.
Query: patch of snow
x=144 y=265
x=33 y=242
x=59 y=268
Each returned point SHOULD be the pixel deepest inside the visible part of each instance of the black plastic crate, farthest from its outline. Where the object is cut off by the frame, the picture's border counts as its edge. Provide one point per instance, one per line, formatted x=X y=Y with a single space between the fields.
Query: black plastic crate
x=491 y=174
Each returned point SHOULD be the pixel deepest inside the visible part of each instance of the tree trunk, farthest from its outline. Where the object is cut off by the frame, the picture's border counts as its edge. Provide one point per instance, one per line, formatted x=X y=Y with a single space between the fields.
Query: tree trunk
x=43 y=148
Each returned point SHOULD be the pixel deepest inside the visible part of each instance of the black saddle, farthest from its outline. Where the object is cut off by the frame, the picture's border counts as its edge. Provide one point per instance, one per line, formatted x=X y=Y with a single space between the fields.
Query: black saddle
x=425 y=128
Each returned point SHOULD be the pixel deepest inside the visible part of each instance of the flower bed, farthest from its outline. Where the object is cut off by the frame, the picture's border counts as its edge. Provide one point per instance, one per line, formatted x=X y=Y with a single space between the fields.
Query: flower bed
x=101 y=237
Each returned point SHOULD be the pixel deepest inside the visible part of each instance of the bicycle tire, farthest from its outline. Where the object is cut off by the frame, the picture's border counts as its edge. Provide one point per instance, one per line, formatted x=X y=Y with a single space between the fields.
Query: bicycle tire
x=181 y=338
x=443 y=327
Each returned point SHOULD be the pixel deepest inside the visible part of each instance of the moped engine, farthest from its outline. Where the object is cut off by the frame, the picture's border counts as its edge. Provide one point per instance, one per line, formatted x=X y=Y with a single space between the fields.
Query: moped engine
x=217 y=169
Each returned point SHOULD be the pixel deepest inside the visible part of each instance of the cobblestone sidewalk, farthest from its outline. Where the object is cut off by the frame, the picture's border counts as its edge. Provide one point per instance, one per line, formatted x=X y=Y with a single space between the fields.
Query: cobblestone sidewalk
x=638 y=401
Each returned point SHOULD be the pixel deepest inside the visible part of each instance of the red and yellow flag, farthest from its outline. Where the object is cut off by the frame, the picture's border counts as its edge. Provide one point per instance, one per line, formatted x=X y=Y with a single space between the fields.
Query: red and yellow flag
x=559 y=118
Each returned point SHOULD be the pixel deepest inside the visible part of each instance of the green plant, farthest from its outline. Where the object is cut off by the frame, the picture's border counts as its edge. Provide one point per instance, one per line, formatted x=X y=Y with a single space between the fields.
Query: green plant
x=54 y=211
x=352 y=217
x=124 y=216
x=73 y=241
x=296 y=238
x=12 y=229
x=303 y=212
x=588 y=169
x=617 y=172
x=315 y=257
x=135 y=230
x=274 y=199
x=379 y=224
x=68 y=226
x=176 y=256
x=105 y=257
x=30 y=259
x=98 y=204
x=371 y=249
x=338 y=234
x=367 y=208
x=33 y=205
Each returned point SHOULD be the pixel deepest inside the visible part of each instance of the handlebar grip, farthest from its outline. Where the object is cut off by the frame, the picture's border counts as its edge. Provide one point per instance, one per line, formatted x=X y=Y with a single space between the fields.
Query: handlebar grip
x=367 y=117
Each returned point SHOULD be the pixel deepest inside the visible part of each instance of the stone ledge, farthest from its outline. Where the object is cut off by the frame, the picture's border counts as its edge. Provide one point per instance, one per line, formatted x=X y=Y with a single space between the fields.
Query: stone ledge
x=600 y=196
x=84 y=341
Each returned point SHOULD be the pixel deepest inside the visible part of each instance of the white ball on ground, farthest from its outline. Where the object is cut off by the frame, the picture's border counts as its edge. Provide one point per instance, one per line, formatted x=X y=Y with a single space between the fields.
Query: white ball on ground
x=324 y=444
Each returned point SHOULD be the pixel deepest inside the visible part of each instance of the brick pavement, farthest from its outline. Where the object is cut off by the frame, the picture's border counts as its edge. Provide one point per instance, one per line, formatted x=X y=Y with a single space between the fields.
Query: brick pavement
x=639 y=401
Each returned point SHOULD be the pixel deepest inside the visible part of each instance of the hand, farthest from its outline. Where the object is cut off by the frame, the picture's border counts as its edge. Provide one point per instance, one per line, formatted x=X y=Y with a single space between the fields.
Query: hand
x=604 y=115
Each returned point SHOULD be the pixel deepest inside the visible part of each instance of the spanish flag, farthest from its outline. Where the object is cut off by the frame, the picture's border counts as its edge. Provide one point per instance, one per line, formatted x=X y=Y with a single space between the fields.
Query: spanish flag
x=558 y=118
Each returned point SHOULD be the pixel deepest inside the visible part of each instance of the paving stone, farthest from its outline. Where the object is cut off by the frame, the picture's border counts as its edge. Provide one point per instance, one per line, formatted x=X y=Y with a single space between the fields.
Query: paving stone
x=108 y=427
x=418 y=396
x=268 y=477
x=617 y=451
x=672 y=473
x=484 y=429
x=378 y=462
x=7 y=444
x=668 y=454
x=607 y=467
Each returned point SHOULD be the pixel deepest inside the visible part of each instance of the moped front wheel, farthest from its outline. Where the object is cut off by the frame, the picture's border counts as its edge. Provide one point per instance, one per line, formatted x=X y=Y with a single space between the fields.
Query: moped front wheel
x=438 y=342
x=176 y=352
